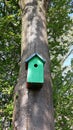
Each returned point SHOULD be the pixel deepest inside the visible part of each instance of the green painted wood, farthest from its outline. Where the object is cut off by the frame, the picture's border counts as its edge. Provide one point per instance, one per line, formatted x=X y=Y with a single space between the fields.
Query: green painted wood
x=35 y=72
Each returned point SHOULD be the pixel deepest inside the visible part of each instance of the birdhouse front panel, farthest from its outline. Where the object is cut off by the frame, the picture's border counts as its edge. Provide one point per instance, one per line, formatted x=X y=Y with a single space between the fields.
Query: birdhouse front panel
x=35 y=72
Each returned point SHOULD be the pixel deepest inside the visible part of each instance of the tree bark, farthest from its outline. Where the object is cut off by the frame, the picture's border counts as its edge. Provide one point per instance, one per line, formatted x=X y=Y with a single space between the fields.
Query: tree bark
x=33 y=110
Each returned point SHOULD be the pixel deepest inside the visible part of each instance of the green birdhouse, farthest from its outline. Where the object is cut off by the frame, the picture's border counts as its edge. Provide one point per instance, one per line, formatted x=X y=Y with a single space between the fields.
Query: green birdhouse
x=35 y=71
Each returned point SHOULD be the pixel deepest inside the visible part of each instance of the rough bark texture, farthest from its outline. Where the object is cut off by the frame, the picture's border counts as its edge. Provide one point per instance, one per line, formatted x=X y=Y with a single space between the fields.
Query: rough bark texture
x=33 y=110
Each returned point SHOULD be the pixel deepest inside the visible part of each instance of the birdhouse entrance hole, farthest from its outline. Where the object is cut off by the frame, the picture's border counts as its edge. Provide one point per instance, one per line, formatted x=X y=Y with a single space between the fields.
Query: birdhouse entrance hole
x=35 y=65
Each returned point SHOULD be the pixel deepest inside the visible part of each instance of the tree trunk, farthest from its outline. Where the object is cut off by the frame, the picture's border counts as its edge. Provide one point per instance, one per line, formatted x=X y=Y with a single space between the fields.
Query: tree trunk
x=33 y=110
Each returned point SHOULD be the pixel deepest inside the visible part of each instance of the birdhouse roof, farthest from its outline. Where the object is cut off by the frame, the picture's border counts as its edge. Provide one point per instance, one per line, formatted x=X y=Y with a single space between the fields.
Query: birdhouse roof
x=33 y=55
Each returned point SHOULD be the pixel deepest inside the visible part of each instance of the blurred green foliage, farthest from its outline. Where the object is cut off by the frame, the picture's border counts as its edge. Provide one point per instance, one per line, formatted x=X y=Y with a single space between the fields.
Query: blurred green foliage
x=58 y=24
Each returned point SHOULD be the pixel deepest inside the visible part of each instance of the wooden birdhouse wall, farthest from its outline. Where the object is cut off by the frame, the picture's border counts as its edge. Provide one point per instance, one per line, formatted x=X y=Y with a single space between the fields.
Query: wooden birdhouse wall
x=35 y=72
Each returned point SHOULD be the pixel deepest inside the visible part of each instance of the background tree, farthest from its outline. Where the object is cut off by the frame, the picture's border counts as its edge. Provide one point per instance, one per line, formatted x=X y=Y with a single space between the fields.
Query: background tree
x=9 y=57
x=60 y=38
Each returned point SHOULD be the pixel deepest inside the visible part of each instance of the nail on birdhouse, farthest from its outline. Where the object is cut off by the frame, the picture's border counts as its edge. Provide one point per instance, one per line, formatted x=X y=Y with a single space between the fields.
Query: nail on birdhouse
x=35 y=71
